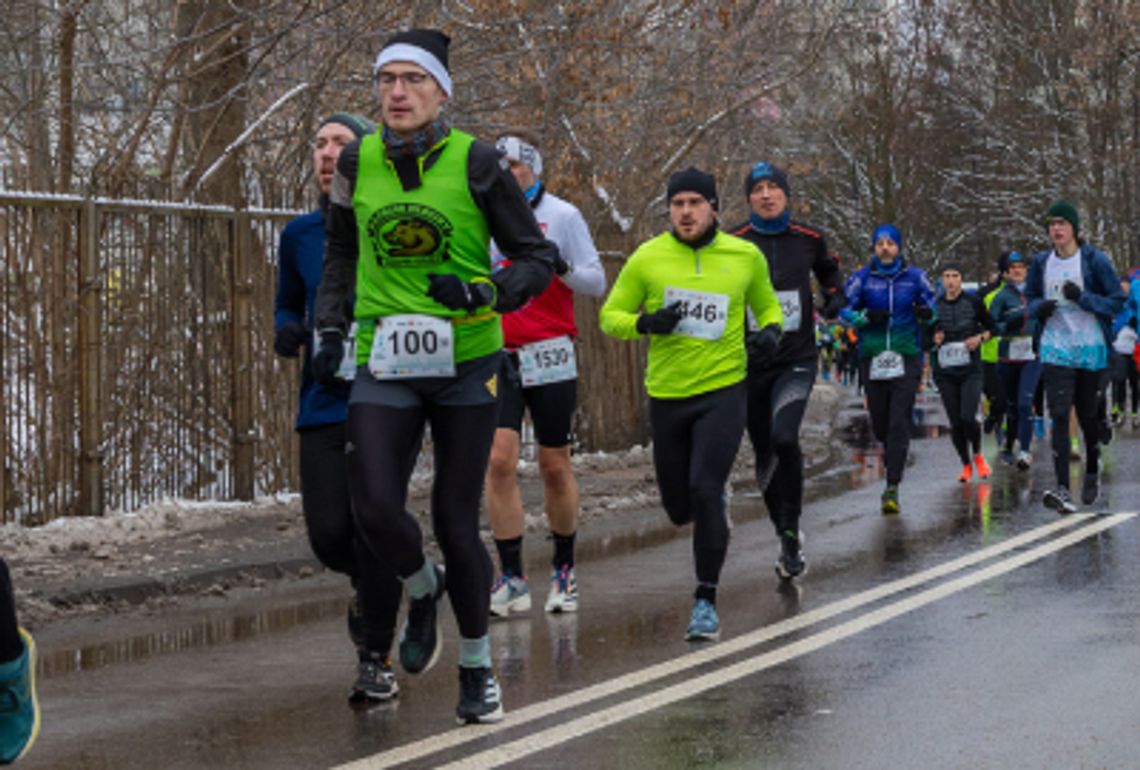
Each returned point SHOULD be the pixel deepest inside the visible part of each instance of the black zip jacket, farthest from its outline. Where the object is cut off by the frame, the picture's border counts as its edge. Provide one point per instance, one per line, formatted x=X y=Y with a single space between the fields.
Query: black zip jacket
x=793 y=255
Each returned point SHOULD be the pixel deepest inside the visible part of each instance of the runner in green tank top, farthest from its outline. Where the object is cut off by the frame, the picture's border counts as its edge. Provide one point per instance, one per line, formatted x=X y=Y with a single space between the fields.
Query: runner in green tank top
x=412 y=211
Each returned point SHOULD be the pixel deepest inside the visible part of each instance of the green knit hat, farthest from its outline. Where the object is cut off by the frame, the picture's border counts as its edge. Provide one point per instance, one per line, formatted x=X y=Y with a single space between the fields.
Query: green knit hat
x=1062 y=209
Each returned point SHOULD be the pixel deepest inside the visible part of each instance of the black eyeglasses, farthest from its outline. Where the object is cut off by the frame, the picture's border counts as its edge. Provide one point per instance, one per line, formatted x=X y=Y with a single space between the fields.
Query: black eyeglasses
x=409 y=79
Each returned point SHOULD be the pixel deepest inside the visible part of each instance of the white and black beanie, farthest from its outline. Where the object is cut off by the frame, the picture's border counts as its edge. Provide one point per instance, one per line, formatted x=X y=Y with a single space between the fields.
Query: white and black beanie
x=425 y=47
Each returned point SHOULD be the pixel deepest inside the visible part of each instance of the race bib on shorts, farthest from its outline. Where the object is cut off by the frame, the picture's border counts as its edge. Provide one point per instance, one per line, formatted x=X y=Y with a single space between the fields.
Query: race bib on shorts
x=347 y=368
x=888 y=365
x=951 y=354
x=703 y=314
x=546 y=361
x=790 y=304
x=1021 y=349
x=406 y=346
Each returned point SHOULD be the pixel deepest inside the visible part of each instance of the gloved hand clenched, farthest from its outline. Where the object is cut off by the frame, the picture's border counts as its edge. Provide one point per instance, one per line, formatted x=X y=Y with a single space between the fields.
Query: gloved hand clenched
x=763 y=344
x=326 y=361
x=1046 y=308
x=287 y=340
x=1071 y=291
x=661 y=321
x=923 y=312
x=876 y=315
x=834 y=304
x=450 y=291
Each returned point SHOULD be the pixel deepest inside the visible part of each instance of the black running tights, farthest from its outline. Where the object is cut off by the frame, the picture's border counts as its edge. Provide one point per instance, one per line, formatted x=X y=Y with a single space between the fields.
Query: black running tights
x=384 y=443
x=695 y=441
x=332 y=533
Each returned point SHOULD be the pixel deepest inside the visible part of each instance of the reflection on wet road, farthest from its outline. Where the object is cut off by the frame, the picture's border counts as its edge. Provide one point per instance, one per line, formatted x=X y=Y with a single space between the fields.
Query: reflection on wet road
x=975 y=629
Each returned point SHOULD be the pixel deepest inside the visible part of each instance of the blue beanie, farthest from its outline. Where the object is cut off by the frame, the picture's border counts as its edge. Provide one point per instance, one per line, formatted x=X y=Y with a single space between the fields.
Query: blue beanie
x=764 y=170
x=886 y=231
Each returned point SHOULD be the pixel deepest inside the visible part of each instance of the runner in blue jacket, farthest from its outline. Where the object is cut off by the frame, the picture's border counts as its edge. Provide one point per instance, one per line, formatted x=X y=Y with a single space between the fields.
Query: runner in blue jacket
x=890 y=303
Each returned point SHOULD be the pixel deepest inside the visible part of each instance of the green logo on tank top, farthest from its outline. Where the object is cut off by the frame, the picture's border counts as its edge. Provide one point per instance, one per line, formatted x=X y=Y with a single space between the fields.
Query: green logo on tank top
x=409 y=235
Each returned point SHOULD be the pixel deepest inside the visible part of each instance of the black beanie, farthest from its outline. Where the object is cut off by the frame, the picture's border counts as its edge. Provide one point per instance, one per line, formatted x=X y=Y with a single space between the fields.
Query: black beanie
x=357 y=124
x=693 y=180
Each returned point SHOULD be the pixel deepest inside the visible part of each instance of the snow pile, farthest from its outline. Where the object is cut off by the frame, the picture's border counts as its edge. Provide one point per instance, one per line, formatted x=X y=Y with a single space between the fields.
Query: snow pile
x=162 y=519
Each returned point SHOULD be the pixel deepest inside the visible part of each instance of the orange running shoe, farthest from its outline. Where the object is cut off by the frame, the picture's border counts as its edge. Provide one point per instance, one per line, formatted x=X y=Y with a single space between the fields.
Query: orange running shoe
x=966 y=474
x=982 y=466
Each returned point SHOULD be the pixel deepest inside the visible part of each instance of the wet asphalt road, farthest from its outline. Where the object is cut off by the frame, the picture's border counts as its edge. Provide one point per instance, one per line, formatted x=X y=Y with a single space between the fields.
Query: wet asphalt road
x=978 y=629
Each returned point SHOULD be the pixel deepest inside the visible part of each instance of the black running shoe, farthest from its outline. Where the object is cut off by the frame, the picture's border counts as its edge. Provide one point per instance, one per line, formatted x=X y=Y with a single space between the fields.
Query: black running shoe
x=1060 y=500
x=1090 y=490
x=421 y=639
x=480 y=699
x=790 y=563
x=375 y=682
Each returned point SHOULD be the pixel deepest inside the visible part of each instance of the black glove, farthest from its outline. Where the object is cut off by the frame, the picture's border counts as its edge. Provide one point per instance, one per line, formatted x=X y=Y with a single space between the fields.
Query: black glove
x=922 y=311
x=763 y=344
x=1046 y=308
x=289 y=338
x=1071 y=291
x=561 y=266
x=834 y=304
x=326 y=361
x=1014 y=321
x=876 y=316
x=1132 y=321
x=450 y=291
x=660 y=321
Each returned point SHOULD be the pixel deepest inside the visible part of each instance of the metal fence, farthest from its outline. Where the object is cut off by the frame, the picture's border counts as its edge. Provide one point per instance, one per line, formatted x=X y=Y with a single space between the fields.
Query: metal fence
x=136 y=355
x=137 y=362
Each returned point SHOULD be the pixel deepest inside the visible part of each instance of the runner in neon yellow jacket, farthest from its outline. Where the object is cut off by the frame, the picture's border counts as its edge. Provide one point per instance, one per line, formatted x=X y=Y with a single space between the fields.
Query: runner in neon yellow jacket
x=694 y=282
x=678 y=365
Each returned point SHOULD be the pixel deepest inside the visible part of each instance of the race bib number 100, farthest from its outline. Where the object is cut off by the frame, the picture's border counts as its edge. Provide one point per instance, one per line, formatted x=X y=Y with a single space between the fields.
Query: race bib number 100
x=704 y=314
x=407 y=346
x=547 y=361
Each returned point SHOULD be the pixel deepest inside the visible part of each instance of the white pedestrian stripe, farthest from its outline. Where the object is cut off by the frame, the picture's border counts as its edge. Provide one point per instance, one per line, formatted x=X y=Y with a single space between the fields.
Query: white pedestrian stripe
x=548 y=738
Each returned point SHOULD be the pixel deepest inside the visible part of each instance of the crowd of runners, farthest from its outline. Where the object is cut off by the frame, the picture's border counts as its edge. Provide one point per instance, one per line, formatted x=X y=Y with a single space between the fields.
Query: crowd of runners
x=434 y=288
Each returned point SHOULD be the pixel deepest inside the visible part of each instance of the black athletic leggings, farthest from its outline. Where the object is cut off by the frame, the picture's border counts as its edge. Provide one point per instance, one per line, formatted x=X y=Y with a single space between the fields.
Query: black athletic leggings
x=385 y=441
x=332 y=533
x=777 y=400
x=891 y=404
x=1125 y=376
x=992 y=387
x=1083 y=390
x=961 y=393
x=695 y=441
x=11 y=645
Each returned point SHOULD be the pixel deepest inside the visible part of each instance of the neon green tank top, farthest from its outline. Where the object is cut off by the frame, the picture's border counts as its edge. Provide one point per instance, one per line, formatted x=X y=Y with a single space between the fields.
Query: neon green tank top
x=406 y=234
x=989 y=348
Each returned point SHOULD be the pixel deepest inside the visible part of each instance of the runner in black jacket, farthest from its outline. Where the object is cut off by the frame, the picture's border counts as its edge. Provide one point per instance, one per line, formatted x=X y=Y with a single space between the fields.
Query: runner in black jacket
x=963 y=325
x=781 y=370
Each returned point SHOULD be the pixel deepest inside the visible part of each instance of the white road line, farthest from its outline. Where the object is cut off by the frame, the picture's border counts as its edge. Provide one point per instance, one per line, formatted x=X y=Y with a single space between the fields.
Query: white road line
x=436 y=743
x=545 y=739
